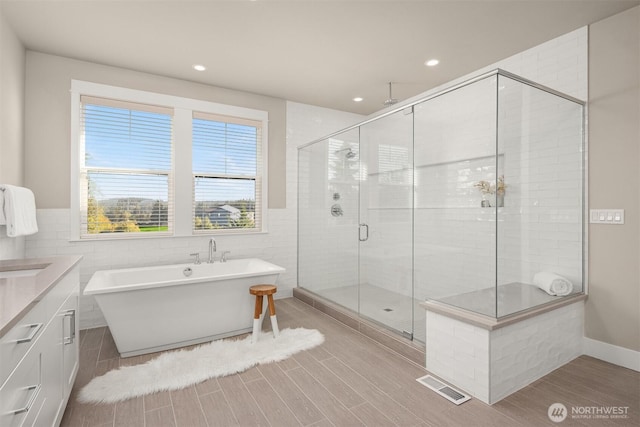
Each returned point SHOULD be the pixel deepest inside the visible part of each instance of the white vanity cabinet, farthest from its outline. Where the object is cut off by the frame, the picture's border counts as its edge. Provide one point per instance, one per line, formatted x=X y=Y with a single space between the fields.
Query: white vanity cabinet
x=70 y=342
x=39 y=358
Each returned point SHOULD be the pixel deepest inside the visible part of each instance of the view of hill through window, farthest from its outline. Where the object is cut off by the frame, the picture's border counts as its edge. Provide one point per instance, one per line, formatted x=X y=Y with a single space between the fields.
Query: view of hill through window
x=127 y=176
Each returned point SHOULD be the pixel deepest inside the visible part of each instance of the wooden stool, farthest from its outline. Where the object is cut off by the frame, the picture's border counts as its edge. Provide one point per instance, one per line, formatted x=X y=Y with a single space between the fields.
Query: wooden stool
x=259 y=291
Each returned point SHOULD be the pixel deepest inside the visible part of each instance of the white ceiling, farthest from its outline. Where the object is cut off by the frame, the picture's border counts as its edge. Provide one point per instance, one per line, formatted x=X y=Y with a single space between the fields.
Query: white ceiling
x=316 y=52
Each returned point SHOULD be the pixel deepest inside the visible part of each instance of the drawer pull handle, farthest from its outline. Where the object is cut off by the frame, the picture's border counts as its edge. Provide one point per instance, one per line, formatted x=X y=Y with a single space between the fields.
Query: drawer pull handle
x=72 y=327
x=35 y=390
x=34 y=331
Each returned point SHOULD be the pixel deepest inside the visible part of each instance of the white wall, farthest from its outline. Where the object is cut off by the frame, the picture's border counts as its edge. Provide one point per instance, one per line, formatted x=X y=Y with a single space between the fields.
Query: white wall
x=12 y=67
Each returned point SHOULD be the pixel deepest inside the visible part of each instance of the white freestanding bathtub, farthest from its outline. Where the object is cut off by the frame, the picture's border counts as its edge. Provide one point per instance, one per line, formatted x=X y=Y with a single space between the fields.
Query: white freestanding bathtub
x=150 y=309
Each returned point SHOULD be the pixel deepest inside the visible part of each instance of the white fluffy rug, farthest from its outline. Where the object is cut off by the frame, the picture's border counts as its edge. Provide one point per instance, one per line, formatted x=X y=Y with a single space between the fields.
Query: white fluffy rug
x=178 y=369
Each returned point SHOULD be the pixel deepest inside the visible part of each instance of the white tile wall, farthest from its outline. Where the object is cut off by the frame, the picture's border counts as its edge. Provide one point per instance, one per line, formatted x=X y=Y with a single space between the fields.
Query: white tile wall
x=454 y=146
x=458 y=353
x=525 y=351
x=328 y=245
x=11 y=247
x=278 y=245
x=539 y=227
x=490 y=365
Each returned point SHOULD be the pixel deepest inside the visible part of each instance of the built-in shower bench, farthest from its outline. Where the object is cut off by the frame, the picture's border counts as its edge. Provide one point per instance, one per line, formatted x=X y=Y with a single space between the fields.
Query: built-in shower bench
x=489 y=357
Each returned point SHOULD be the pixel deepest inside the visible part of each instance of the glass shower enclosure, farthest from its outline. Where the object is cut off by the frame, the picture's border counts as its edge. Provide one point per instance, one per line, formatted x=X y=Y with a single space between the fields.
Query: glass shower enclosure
x=461 y=197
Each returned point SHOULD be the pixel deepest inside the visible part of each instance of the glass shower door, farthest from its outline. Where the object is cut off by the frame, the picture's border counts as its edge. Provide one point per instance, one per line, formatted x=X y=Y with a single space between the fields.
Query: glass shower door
x=386 y=221
x=328 y=194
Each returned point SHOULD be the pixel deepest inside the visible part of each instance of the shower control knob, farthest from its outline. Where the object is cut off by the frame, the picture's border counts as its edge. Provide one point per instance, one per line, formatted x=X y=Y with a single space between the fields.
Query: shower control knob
x=336 y=210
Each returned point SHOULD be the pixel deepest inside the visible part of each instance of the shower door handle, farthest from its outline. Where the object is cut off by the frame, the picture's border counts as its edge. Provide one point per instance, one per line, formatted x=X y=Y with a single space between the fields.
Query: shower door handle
x=366 y=236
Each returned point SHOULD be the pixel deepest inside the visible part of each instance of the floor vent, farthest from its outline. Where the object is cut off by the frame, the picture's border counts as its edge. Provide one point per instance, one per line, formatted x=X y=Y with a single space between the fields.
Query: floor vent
x=443 y=389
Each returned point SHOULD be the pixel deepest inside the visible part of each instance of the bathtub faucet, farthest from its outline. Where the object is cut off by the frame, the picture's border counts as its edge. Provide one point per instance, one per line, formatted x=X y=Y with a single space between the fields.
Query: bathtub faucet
x=212 y=249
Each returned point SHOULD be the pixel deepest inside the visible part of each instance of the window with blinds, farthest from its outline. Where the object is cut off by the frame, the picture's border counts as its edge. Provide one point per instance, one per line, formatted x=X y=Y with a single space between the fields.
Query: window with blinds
x=227 y=173
x=125 y=167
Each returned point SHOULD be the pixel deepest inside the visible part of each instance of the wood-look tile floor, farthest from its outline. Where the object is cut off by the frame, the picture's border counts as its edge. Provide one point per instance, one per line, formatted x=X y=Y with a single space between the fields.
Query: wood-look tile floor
x=348 y=381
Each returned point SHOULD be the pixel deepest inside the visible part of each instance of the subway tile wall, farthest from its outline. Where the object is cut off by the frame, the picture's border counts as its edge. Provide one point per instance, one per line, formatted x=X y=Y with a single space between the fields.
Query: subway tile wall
x=539 y=227
x=11 y=247
x=278 y=245
x=327 y=244
x=525 y=351
x=459 y=353
x=490 y=365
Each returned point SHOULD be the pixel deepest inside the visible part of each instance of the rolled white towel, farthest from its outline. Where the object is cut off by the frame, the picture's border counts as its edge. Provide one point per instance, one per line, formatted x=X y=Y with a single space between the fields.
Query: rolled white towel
x=552 y=283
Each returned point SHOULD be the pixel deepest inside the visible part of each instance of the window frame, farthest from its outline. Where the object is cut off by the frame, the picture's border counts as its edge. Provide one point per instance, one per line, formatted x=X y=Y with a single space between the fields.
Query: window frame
x=183 y=185
x=257 y=177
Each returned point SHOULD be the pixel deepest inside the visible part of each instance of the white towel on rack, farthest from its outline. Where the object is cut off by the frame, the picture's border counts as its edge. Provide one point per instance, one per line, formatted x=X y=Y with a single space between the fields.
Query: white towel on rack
x=18 y=206
x=3 y=218
x=552 y=283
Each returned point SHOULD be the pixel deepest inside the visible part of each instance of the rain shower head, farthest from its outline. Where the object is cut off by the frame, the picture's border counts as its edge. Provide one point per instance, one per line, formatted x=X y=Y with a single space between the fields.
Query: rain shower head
x=391 y=100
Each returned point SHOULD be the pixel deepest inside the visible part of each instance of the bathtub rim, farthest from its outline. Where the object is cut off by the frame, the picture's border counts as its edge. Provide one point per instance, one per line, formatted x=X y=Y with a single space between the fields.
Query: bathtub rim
x=95 y=285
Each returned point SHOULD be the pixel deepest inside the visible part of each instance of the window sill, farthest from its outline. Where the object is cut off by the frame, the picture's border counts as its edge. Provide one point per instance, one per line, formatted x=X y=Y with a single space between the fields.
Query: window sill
x=165 y=236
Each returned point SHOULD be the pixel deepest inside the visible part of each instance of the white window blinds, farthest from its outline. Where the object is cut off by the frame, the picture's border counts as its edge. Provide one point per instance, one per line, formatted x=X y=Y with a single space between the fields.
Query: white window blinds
x=227 y=172
x=125 y=167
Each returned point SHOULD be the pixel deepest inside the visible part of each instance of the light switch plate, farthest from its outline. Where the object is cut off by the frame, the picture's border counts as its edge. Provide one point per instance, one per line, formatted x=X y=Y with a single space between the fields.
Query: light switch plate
x=606 y=216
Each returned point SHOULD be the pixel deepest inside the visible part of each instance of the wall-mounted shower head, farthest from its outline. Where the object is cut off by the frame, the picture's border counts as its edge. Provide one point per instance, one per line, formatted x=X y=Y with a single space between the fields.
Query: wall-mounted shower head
x=349 y=155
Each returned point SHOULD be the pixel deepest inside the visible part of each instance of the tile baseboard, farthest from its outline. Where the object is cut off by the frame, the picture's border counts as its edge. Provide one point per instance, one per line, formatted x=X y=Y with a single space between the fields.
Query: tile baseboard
x=410 y=350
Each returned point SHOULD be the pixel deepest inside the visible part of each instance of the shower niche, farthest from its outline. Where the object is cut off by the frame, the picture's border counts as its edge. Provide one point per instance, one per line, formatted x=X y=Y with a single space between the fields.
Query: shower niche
x=459 y=198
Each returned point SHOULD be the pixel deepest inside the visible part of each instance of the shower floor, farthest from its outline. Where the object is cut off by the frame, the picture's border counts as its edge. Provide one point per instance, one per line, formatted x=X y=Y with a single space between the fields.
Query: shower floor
x=383 y=306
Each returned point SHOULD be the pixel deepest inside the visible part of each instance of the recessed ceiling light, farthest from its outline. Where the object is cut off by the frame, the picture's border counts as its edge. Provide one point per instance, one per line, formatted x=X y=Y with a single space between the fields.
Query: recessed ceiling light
x=432 y=63
x=358 y=99
x=199 y=67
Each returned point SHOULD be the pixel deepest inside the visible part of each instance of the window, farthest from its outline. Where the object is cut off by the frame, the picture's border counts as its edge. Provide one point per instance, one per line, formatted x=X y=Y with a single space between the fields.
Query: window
x=126 y=167
x=146 y=164
x=226 y=176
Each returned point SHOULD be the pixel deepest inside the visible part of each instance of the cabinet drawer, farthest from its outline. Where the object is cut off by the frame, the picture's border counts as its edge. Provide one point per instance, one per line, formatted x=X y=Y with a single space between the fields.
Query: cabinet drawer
x=15 y=343
x=22 y=393
x=34 y=418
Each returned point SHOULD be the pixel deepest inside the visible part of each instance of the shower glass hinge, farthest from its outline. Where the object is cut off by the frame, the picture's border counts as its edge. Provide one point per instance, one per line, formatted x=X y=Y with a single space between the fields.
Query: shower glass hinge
x=407 y=335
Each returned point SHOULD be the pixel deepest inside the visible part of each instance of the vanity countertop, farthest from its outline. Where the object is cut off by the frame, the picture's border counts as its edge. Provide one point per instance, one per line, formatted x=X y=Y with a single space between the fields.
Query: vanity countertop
x=19 y=294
